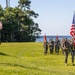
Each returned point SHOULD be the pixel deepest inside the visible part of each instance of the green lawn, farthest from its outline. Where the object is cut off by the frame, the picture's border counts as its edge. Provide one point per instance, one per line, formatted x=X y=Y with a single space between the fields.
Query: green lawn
x=28 y=59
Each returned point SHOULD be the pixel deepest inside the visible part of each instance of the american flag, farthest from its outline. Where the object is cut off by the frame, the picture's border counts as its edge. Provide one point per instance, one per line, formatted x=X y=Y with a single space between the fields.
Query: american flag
x=72 y=31
x=1 y=25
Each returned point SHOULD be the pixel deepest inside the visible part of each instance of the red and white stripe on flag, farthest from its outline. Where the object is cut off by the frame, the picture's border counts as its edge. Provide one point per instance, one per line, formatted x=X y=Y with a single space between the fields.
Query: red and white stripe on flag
x=1 y=25
x=72 y=32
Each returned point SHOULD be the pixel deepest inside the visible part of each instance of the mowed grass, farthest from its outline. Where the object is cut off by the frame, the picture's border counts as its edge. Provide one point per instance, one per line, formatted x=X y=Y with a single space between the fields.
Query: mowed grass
x=28 y=59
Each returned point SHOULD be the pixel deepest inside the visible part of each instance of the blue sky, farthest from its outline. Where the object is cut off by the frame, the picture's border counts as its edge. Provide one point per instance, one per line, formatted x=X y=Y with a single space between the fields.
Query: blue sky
x=55 y=16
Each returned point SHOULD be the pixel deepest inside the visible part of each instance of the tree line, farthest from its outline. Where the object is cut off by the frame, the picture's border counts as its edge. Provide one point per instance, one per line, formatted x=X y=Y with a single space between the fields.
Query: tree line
x=18 y=23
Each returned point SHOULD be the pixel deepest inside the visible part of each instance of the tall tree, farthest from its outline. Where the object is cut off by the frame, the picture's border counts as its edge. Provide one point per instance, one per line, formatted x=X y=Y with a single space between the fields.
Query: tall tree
x=18 y=23
x=33 y=28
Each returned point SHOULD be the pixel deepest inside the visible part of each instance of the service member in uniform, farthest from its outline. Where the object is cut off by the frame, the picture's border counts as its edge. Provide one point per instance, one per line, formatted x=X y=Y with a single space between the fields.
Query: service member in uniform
x=51 y=46
x=45 y=45
x=72 y=50
x=66 y=50
x=57 y=45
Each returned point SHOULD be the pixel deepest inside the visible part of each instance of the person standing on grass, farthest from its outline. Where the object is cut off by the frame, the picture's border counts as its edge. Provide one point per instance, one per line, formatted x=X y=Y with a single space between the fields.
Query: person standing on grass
x=57 y=45
x=45 y=45
x=62 y=42
x=72 y=50
x=72 y=33
x=66 y=50
x=51 y=46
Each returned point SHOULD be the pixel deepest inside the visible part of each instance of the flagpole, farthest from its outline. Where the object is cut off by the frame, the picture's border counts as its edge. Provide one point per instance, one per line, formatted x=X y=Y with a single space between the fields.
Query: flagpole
x=74 y=30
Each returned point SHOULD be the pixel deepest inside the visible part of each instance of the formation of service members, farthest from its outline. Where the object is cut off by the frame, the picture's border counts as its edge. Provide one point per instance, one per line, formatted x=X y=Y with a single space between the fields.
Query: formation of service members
x=66 y=46
x=51 y=45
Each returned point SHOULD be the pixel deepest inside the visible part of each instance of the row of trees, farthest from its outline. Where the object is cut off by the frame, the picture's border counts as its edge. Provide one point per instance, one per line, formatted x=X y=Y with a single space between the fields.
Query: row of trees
x=18 y=24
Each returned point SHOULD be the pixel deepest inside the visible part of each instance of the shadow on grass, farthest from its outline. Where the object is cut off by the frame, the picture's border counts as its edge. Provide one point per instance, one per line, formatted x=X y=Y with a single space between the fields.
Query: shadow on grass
x=18 y=65
x=4 y=54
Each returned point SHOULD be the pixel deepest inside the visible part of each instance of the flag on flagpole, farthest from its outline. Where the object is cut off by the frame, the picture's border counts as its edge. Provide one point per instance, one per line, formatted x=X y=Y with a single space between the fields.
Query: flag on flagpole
x=72 y=30
x=45 y=40
x=57 y=37
x=1 y=25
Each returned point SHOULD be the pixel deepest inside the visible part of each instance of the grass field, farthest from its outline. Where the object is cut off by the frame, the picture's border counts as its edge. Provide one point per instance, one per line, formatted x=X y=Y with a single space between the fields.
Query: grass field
x=28 y=59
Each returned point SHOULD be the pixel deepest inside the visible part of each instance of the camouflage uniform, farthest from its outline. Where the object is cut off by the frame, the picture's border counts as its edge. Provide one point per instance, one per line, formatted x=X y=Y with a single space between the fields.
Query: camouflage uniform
x=45 y=45
x=62 y=42
x=66 y=50
x=57 y=46
x=72 y=49
x=51 y=46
